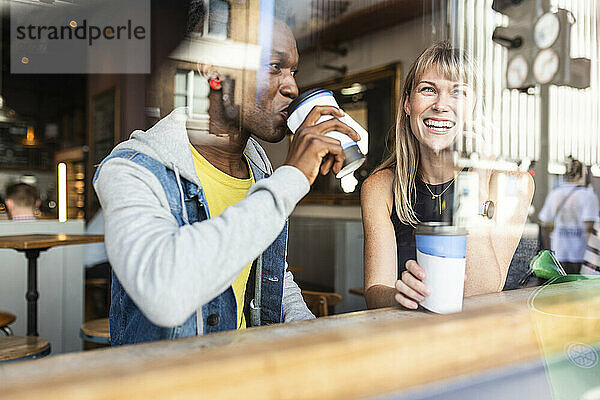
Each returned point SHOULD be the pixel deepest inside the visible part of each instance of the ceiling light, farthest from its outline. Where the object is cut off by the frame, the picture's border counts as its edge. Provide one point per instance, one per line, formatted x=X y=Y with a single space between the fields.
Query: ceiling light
x=353 y=89
x=29 y=140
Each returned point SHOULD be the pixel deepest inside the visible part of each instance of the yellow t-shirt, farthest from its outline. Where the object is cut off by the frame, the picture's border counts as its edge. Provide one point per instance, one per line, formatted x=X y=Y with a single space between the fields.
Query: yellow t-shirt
x=222 y=191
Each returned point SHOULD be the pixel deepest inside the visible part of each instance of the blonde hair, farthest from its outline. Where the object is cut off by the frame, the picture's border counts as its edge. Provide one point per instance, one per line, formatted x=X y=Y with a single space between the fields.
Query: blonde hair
x=452 y=63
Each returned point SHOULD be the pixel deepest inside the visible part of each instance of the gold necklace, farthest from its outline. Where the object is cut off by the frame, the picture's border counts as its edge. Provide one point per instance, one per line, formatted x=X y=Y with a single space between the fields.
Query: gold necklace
x=439 y=196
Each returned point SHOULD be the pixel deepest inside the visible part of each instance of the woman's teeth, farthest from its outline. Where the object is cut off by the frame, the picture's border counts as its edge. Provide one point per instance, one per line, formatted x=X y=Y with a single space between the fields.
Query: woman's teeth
x=434 y=124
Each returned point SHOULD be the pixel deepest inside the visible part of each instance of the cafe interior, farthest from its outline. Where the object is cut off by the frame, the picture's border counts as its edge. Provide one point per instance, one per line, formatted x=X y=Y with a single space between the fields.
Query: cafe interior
x=66 y=103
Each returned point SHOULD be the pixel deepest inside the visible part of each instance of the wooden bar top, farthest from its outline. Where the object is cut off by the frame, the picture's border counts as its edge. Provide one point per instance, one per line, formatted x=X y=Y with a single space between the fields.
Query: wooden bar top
x=347 y=356
x=45 y=241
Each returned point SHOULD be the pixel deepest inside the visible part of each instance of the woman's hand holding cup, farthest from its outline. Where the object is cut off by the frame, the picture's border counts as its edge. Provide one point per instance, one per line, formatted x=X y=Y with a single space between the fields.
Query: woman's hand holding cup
x=411 y=289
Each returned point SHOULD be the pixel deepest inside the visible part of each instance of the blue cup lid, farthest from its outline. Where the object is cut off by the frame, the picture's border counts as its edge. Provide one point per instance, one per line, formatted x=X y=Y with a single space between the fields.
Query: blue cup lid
x=439 y=228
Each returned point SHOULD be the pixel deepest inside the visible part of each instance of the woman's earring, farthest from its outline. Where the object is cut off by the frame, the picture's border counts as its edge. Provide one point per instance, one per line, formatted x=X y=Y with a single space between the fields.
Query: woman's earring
x=214 y=83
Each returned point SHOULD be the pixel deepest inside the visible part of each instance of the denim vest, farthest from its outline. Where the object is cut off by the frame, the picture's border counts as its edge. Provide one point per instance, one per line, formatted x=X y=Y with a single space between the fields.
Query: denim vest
x=128 y=324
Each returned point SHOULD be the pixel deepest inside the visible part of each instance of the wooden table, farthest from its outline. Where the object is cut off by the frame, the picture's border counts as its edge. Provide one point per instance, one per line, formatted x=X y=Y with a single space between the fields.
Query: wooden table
x=356 y=355
x=32 y=246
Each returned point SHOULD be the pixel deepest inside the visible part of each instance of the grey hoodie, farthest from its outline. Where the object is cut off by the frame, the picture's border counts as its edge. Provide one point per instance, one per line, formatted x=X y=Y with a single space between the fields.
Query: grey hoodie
x=171 y=271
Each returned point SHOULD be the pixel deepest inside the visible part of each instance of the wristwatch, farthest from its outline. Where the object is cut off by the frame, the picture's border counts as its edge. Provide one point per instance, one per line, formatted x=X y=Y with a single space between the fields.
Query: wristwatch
x=487 y=209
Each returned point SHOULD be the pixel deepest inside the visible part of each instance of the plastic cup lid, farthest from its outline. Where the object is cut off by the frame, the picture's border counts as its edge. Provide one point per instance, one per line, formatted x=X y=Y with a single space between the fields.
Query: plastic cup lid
x=304 y=96
x=439 y=228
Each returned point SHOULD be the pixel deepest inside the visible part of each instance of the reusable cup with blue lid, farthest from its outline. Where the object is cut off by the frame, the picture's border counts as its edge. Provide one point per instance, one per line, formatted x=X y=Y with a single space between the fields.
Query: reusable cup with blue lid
x=303 y=104
x=441 y=251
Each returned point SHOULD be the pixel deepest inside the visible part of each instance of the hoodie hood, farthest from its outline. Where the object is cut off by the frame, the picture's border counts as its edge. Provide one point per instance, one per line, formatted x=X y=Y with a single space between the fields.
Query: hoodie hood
x=167 y=142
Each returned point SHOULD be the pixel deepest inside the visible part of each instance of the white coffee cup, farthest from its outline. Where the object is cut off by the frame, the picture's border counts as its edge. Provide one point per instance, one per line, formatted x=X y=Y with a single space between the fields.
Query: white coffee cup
x=303 y=104
x=441 y=251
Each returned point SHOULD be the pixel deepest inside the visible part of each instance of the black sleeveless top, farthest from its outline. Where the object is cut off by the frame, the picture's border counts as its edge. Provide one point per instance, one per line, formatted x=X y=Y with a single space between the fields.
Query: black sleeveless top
x=427 y=210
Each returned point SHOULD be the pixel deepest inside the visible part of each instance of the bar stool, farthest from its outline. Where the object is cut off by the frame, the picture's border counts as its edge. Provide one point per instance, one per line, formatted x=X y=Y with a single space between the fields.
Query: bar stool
x=14 y=348
x=96 y=331
x=319 y=302
x=6 y=319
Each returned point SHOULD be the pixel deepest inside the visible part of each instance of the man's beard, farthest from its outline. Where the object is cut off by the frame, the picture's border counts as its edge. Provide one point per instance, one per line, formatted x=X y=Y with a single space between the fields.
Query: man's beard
x=270 y=133
x=267 y=126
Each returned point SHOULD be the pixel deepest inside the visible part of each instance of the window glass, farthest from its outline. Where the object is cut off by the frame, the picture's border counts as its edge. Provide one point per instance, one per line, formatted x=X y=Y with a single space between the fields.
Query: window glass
x=180 y=89
x=218 y=22
x=200 y=90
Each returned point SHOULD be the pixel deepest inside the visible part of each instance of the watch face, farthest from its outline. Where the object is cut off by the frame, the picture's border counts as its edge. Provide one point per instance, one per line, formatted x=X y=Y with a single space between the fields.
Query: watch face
x=545 y=66
x=546 y=30
x=489 y=209
x=516 y=72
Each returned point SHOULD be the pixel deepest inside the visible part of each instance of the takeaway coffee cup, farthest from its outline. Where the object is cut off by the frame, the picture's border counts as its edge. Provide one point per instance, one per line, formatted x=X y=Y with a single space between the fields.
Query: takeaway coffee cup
x=441 y=250
x=303 y=104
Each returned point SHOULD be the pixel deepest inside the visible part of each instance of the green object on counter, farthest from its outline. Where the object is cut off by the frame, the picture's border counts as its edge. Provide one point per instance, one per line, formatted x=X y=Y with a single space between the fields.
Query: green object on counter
x=566 y=320
x=546 y=266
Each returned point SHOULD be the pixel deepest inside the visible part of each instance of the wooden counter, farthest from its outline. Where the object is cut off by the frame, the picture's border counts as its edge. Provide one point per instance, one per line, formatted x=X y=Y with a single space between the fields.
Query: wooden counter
x=355 y=355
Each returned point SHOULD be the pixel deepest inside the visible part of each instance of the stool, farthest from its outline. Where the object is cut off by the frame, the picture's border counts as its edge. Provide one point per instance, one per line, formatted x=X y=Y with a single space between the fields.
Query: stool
x=6 y=319
x=319 y=302
x=13 y=348
x=97 y=298
x=96 y=331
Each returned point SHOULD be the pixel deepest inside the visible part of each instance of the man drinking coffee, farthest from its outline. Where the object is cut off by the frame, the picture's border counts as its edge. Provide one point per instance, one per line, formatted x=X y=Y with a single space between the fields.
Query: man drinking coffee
x=195 y=219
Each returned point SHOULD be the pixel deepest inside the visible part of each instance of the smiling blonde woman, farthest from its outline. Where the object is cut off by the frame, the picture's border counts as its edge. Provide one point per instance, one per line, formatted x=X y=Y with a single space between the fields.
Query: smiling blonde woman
x=416 y=184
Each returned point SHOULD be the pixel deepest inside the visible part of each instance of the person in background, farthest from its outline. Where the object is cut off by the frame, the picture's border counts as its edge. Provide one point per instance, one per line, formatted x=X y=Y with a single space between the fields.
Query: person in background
x=568 y=216
x=416 y=184
x=196 y=221
x=21 y=202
